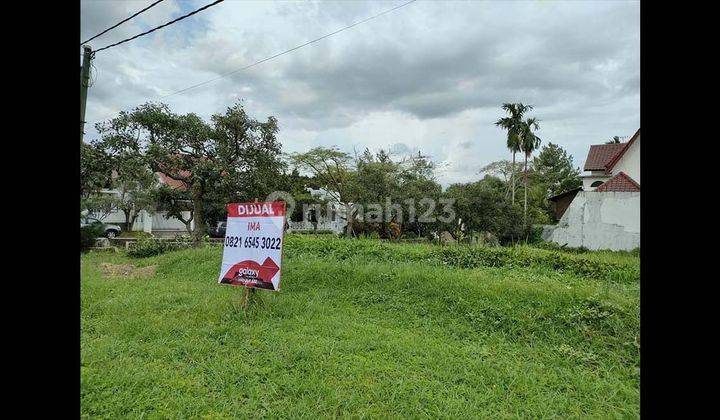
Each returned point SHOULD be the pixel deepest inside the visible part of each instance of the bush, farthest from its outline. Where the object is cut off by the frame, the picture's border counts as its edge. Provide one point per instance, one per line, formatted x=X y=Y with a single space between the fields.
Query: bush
x=409 y=235
x=471 y=257
x=552 y=246
x=465 y=256
x=135 y=234
x=88 y=235
x=147 y=247
x=535 y=235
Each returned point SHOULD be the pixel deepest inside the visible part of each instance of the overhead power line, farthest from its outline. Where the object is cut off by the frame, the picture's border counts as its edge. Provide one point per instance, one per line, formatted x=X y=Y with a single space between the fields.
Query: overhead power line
x=287 y=51
x=121 y=22
x=283 y=53
x=159 y=27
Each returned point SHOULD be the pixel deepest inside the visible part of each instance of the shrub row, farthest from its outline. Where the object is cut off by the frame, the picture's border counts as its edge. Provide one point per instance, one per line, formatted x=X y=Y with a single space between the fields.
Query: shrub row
x=471 y=257
x=147 y=247
x=464 y=256
x=579 y=250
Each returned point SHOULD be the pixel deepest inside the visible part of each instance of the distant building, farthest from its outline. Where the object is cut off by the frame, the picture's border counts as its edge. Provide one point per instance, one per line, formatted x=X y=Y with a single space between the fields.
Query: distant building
x=157 y=224
x=331 y=216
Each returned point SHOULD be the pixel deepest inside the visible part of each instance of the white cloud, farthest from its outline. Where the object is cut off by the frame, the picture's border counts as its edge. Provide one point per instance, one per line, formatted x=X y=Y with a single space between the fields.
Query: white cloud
x=430 y=76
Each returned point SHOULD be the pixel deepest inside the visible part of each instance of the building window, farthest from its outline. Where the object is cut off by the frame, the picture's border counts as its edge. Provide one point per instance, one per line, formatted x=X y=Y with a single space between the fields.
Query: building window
x=596 y=184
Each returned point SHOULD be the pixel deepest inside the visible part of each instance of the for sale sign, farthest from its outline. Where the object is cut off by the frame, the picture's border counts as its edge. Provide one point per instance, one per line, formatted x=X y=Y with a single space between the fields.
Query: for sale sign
x=253 y=245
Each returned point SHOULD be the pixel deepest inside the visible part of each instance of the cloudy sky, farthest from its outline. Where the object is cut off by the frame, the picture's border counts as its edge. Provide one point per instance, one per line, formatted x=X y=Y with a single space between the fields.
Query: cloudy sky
x=430 y=76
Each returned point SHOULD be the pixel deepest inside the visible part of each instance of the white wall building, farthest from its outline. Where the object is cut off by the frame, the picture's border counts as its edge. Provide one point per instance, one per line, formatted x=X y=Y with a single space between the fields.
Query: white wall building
x=606 y=213
x=607 y=160
x=156 y=223
x=599 y=220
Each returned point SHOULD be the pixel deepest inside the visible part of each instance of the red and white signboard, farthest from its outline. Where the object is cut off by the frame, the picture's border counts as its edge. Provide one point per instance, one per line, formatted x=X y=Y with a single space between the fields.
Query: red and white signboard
x=253 y=245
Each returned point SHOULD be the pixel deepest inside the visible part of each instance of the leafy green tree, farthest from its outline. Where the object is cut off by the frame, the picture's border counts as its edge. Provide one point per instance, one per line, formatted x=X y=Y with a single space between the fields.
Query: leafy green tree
x=131 y=175
x=95 y=176
x=378 y=180
x=99 y=205
x=298 y=186
x=552 y=173
x=482 y=207
x=95 y=170
x=614 y=140
x=234 y=154
x=503 y=169
x=333 y=172
x=405 y=189
x=417 y=183
x=554 y=168
x=175 y=202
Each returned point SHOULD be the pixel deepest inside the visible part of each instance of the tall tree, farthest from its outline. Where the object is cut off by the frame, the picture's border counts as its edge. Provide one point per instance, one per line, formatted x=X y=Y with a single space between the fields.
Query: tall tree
x=504 y=169
x=131 y=175
x=554 y=168
x=529 y=142
x=483 y=208
x=417 y=185
x=95 y=170
x=229 y=154
x=332 y=170
x=378 y=180
x=513 y=124
x=176 y=203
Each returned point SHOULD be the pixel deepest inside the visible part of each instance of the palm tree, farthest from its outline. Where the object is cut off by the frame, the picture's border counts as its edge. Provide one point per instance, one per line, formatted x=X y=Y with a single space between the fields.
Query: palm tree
x=513 y=124
x=529 y=142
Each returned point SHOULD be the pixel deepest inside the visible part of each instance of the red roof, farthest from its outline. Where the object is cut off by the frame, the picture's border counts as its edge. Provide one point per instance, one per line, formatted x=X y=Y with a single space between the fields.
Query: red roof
x=173 y=182
x=619 y=183
x=603 y=157
x=602 y=154
x=617 y=157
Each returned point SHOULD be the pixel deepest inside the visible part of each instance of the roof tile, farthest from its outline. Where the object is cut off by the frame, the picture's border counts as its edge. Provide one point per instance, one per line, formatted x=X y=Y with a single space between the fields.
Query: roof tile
x=602 y=154
x=619 y=183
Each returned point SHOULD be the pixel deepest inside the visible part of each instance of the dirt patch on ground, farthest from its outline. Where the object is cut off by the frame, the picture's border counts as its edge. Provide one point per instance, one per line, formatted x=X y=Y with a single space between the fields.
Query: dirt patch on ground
x=127 y=270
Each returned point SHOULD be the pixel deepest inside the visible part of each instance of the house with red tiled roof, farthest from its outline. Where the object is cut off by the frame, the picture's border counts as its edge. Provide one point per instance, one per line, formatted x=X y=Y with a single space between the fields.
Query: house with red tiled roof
x=605 y=212
x=606 y=162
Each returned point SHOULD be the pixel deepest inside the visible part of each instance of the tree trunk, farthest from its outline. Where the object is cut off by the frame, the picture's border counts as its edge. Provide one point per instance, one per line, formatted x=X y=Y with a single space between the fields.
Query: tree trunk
x=512 y=179
x=349 y=217
x=199 y=218
x=526 y=187
x=132 y=220
x=128 y=226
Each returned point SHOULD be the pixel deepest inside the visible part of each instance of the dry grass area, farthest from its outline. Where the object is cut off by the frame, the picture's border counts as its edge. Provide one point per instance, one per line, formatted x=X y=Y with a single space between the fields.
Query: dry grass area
x=127 y=270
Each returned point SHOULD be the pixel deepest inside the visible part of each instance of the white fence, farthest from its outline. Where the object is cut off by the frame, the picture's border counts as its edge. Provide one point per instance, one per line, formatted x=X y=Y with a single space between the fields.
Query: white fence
x=305 y=226
x=155 y=223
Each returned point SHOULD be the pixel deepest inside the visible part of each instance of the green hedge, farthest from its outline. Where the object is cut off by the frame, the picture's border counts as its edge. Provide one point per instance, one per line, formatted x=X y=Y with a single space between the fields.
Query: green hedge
x=471 y=257
x=463 y=256
x=147 y=247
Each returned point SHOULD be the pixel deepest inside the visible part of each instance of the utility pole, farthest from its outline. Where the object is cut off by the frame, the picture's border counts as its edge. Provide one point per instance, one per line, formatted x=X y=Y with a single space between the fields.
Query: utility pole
x=84 y=81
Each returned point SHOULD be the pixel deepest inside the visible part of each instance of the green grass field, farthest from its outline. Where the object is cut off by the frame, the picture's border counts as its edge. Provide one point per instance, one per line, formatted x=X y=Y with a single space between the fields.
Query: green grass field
x=365 y=329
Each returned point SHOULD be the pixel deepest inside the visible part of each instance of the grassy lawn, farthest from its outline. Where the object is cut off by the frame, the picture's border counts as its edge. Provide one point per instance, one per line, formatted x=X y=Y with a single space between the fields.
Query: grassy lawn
x=363 y=329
